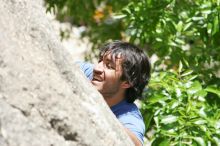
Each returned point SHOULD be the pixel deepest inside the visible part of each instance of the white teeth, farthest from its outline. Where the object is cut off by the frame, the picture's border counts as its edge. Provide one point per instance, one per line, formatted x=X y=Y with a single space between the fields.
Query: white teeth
x=96 y=79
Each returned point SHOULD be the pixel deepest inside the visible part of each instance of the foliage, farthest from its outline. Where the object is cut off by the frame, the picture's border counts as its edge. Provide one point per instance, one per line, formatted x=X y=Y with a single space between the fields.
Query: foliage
x=175 y=29
x=182 y=106
x=181 y=110
x=96 y=15
x=178 y=30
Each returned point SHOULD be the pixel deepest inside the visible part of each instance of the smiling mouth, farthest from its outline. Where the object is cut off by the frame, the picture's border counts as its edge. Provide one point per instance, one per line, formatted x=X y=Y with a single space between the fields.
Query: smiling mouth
x=95 y=81
x=95 y=78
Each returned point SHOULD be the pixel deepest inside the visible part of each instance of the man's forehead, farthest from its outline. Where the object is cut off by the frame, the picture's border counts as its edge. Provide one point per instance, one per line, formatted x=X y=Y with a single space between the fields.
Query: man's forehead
x=112 y=56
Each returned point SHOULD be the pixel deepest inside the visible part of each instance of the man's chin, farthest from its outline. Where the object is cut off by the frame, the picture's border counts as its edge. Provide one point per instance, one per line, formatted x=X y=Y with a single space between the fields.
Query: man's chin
x=97 y=85
x=95 y=82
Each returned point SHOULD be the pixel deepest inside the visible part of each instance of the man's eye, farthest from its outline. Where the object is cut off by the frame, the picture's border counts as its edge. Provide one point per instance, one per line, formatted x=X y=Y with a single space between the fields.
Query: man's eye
x=109 y=66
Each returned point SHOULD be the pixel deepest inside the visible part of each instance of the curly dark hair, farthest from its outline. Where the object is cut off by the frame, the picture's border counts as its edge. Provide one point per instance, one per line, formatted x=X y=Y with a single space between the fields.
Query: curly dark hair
x=135 y=67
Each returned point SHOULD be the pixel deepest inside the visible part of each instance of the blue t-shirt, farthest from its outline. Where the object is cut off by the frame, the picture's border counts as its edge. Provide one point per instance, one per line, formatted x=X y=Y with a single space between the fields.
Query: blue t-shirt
x=127 y=113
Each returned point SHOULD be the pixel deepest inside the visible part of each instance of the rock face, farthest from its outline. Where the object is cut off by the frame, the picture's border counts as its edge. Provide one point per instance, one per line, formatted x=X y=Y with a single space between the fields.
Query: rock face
x=44 y=98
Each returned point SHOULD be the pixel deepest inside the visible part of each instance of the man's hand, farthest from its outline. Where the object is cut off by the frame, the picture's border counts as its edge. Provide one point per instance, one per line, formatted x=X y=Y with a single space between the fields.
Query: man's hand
x=133 y=137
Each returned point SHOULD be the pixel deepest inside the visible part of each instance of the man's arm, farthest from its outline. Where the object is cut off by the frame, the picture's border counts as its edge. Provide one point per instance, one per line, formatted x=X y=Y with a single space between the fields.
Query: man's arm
x=87 y=69
x=133 y=137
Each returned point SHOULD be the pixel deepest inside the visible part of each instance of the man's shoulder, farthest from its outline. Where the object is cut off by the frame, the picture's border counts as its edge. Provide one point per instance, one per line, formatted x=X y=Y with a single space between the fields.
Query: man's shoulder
x=125 y=108
x=130 y=111
x=130 y=116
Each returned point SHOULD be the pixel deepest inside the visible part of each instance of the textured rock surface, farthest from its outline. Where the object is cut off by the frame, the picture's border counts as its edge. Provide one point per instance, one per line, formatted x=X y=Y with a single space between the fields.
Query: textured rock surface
x=44 y=99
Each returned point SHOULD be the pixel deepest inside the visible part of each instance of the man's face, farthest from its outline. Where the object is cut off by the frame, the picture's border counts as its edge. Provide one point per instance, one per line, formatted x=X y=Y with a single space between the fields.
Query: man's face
x=106 y=75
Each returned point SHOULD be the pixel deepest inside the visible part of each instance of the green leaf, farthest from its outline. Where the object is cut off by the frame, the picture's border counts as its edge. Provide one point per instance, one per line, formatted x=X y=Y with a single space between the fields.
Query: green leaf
x=156 y=120
x=168 y=119
x=147 y=119
x=178 y=92
x=217 y=124
x=161 y=142
x=195 y=87
x=187 y=26
x=197 y=18
x=127 y=10
x=159 y=39
x=202 y=112
x=192 y=77
x=213 y=89
x=200 y=122
x=179 y=41
x=215 y=28
x=165 y=142
x=174 y=104
x=156 y=98
x=206 y=12
x=201 y=94
x=186 y=62
x=118 y=16
x=217 y=141
x=188 y=72
x=180 y=67
x=179 y=26
x=209 y=28
x=200 y=141
x=172 y=43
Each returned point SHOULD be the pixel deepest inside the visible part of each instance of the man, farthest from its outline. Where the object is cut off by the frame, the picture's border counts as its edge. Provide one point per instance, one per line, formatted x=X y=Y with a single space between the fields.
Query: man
x=120 y=76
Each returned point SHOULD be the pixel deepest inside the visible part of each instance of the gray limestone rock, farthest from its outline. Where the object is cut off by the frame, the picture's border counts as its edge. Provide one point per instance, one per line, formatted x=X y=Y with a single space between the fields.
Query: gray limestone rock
x=44 y=98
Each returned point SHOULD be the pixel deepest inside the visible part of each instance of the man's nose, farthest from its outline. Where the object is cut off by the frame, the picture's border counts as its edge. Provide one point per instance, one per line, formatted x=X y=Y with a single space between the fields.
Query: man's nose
x=98 y=69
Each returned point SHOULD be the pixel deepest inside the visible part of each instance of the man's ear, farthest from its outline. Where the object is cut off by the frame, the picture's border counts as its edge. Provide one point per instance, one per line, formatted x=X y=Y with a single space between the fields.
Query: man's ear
x=125 y=84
